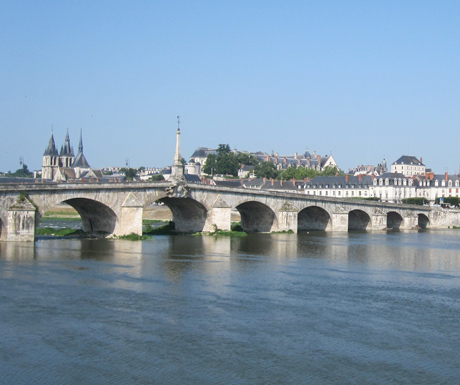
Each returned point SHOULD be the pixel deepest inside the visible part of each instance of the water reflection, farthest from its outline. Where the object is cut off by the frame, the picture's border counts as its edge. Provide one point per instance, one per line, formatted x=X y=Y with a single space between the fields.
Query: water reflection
x=17 y=251
x=429 y=251
x=270 y=308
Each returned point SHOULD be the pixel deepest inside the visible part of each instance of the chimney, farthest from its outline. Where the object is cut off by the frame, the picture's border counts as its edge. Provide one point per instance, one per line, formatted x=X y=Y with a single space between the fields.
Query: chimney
x=447 y=177
x=265 y=179
x=373 y=177
x=276 y=158
x=346 y=177
x=299 y=161
x=272 y=181
x=360 y=177
x=421 y=160
x=308 y=161
x=281 y=182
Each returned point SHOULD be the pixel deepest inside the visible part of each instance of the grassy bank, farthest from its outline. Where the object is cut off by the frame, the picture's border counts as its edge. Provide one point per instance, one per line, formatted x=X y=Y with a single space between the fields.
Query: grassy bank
x=59 y=232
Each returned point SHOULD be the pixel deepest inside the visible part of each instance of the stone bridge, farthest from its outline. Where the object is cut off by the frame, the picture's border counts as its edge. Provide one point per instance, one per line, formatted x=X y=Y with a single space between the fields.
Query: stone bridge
x=117 y=208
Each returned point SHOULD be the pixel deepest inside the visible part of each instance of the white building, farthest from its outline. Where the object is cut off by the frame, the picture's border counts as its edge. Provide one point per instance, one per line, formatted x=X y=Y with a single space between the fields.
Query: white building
x=408 y=166
x=389 y=187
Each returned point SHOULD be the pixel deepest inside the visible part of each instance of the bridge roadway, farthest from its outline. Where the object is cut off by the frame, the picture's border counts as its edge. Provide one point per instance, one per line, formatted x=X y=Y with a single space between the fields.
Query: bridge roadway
x=117 y=208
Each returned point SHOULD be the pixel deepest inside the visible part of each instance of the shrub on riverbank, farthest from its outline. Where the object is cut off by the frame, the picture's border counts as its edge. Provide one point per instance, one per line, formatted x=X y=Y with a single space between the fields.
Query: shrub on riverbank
x=167 y=229
x=132 y=237
x=59 y=232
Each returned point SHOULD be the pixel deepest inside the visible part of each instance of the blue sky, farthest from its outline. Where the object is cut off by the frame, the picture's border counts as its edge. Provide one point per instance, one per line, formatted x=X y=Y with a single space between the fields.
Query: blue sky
x=362 y=80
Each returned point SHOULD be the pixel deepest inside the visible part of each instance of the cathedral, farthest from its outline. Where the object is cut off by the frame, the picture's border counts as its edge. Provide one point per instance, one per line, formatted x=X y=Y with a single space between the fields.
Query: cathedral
x=64 y=166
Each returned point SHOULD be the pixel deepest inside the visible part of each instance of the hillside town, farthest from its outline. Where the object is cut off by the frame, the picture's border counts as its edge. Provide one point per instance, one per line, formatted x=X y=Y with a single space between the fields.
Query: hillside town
x=407 y=178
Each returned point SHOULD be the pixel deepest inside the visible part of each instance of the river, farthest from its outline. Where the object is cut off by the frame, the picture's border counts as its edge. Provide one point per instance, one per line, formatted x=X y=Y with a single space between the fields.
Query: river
x=317 y=308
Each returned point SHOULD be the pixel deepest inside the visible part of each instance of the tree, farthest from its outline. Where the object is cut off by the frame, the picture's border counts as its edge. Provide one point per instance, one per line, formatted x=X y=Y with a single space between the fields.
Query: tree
x=227 y=164
x=157 y=177
x=210 y=164
x=223 y=149
x=298 y=173
x=23 y=172
x=130 y=173
x=223 y=162
x=266 y=170
x=331 y=171
x=247 y=159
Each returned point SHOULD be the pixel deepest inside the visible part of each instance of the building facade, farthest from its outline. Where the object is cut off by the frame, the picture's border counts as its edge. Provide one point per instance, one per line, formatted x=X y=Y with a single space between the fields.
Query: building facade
x=409 y=166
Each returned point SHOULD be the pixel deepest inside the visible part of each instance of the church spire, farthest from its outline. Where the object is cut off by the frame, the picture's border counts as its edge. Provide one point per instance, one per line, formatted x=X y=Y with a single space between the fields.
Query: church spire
x=80 y=159
x=80 y=145
x=67 y=150
x=51 y=149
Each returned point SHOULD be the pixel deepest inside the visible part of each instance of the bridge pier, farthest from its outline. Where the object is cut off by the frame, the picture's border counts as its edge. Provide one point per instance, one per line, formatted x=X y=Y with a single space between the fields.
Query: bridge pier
x=220 y=216
x=410 y=222
x=21 y=221
x=131 y=216
x=340 y=221
x=288 y=219
x=379 y=221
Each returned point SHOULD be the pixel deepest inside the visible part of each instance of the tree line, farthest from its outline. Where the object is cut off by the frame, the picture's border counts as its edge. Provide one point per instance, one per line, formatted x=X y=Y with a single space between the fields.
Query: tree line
x=227 y=162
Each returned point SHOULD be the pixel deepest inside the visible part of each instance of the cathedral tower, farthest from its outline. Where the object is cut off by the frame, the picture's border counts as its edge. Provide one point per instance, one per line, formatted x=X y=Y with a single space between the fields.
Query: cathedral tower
x=50 y=160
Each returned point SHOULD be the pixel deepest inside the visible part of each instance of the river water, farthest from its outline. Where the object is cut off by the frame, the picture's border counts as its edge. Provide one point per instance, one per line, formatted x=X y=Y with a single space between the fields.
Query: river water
x=351 y=308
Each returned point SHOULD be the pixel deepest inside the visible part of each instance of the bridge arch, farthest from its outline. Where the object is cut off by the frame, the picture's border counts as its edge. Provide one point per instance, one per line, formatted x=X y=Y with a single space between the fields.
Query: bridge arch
x=394 y=220
x=358 y=220
x=423 y=221
x=188 y=215
x=96 y=217
x=313 y=218
x=256 y=217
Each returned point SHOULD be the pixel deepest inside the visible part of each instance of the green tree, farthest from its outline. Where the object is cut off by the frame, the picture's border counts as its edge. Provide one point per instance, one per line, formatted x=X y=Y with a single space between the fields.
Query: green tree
x=331 y=171
x=223 y=149
x=157 y=177
x=130 y=173
x=266 y=170
x=414 y=201
x=227 y=164
x=23 y=172
x=210 y=164
x=298 y=173
x=223 y=162
x=247 y=159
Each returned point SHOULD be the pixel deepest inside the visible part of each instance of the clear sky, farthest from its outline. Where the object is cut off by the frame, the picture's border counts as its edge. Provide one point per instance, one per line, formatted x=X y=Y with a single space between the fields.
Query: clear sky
x=362 y=80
